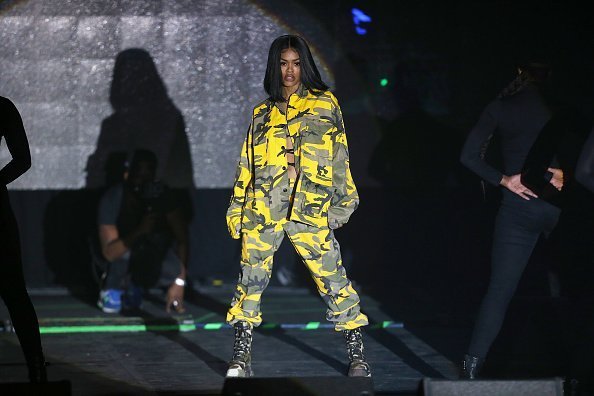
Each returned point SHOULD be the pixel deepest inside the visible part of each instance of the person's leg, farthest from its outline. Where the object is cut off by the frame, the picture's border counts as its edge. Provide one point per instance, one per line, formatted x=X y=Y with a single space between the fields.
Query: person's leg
x=110 y=296
x=514 y=238
x=14 y=293
x=117 y=273
x=320 y=252
x=257 y=250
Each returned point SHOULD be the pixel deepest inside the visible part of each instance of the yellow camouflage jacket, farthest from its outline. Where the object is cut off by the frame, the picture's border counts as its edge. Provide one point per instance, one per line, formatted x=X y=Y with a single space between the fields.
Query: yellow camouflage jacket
x=324 y=194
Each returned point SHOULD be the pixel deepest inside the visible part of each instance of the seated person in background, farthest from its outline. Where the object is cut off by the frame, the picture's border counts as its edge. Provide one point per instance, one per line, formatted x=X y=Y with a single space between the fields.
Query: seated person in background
x=144 y=238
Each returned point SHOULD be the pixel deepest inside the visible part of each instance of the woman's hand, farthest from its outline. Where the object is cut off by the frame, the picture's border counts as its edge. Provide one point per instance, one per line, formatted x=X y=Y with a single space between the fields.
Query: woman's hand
x=557 y=179
x=175 y=298
x=514 y=184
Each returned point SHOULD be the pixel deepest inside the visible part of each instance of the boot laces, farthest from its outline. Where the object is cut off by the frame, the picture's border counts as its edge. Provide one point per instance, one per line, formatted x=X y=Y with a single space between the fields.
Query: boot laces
x=354 y=340
x=242 y=344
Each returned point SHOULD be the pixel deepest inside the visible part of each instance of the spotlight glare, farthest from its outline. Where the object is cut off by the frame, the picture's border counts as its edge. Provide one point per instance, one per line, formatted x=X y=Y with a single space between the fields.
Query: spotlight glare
x=359 y=17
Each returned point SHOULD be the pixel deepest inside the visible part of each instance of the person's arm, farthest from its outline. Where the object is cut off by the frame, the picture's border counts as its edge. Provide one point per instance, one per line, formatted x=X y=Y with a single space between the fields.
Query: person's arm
x=475 y=145
x=345 y=198
x=180 y=233
x=243 y=179
x=584 y=172
x=114 y=247
x=175 y=293
x=16 y=141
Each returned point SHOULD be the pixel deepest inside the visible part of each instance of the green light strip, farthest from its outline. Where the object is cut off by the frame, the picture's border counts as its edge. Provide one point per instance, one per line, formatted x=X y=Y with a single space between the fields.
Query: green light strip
x=312 y=326
x=213 y=326
x=193 y=326
x=180 y=327
x=91 y=329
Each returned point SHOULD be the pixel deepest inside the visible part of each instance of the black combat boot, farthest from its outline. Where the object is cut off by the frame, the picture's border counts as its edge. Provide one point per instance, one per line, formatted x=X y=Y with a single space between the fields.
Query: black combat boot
x=241 y=362
x=37 y=369
x=358 y=367
x=471 y=367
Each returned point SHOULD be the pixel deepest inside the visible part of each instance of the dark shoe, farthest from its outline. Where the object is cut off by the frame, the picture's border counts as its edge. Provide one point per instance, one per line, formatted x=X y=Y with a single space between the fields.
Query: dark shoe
x=358 y=367
x=571 y=387
x=241 y=362
x=37 y=369
x=471 y=367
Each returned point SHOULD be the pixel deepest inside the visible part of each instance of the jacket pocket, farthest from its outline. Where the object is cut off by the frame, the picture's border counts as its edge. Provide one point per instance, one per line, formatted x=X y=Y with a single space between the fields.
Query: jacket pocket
x=313 y=199
x=317 y=168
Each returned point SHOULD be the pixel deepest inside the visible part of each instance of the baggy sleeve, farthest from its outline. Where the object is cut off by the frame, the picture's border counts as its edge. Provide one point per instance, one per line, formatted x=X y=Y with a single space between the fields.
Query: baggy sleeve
x=243 y=179
x=345 y=198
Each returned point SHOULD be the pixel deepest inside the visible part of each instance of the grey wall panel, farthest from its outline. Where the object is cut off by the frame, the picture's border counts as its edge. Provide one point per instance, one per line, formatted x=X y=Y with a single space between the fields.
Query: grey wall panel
x=143 y=32
x=93 y=80
x=82 y=8
x=97 y=37
x=51 y=125
x=207 y=7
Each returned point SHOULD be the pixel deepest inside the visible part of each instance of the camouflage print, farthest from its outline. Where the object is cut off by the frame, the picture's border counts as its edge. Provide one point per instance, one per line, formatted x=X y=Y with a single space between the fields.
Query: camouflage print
x=266 y=204
x=325 y=194
x=320 y=252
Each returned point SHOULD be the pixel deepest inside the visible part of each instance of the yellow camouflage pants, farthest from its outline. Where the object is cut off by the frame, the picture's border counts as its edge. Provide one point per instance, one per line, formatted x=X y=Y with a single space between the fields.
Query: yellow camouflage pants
x=320 y=252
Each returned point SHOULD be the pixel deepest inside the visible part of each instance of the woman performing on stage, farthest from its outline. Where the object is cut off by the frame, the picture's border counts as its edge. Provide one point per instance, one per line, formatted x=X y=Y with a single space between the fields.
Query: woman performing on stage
x=516 y=117
x=12 y=280
x=293 y=178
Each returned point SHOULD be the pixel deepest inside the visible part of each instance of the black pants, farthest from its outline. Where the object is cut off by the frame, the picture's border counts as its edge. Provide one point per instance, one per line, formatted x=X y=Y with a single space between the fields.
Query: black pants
x=12 y=282
x=518 y=226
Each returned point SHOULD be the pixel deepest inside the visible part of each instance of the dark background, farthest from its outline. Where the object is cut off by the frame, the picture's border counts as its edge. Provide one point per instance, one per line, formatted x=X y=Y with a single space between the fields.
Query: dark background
x=420 y=240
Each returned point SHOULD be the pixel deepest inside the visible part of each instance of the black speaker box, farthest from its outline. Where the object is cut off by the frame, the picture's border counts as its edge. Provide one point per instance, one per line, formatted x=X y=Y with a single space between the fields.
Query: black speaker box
x=301 y=386
x=54 y=388
x=535 y=387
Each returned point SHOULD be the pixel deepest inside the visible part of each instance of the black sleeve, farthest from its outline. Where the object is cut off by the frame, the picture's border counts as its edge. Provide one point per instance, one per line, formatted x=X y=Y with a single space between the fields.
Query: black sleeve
x=11 y=127
x=584 y=172
x=478 y=138
x=109 y=206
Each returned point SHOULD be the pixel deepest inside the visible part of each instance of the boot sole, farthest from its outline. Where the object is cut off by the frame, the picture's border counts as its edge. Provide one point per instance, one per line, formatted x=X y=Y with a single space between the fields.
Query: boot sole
x=239 y=372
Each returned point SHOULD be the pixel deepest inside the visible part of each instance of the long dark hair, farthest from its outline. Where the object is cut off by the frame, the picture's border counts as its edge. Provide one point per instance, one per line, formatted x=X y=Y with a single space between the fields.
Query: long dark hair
x=310 y=76
x=536 y=73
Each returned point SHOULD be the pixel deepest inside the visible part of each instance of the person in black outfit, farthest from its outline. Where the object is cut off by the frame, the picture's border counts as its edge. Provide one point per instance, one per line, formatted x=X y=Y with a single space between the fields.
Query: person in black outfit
x=12 y=280
x=516 y=118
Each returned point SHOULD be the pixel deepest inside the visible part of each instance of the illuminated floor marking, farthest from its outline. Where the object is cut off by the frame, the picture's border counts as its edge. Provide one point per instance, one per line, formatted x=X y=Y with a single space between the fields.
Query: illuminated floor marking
x=137 y=324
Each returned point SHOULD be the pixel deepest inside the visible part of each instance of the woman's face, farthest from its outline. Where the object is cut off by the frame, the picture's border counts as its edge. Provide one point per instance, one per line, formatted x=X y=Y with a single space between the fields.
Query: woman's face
x=290 y=68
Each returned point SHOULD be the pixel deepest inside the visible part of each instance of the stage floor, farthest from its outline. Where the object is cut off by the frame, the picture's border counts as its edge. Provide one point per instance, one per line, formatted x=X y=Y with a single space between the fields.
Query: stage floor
x=150 y=352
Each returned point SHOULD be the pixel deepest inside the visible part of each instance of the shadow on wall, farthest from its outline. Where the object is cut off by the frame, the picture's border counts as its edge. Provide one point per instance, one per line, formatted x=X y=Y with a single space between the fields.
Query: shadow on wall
x=143 y=117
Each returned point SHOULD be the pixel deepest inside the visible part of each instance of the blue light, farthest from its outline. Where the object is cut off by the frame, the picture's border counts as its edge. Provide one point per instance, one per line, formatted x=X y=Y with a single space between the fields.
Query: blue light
x=359 y=17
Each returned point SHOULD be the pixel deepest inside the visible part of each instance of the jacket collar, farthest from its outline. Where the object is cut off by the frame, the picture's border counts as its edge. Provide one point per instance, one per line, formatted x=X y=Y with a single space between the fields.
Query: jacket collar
x=302 y=91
